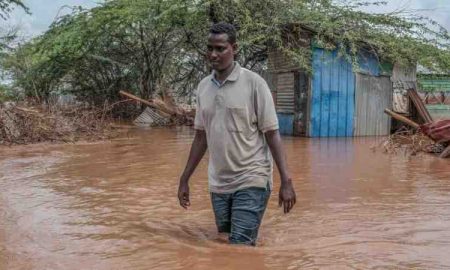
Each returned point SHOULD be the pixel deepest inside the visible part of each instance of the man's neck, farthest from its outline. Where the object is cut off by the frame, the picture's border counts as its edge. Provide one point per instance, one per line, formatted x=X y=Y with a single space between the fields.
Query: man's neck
x=222 y=75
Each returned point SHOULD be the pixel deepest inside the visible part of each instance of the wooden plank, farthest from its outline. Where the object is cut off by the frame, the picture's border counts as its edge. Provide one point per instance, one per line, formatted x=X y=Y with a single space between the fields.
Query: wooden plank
x=401 y=118
x=146 y=102
x=420 y=106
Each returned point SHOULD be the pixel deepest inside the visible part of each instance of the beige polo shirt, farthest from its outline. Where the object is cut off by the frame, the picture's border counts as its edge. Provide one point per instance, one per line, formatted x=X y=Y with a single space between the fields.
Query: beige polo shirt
x=234 y=115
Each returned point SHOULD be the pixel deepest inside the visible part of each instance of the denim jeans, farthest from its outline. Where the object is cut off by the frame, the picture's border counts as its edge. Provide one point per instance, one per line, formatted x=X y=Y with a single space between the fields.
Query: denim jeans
x=240 y=213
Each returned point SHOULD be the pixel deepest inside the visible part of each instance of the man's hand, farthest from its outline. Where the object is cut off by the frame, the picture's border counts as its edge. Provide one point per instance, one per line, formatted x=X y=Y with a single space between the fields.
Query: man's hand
x=198 y=149
x=183 y=194
x=287 y=196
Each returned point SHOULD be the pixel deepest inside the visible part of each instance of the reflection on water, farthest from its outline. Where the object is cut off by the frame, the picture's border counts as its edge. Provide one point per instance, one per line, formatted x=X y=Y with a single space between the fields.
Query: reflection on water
x=113 y=205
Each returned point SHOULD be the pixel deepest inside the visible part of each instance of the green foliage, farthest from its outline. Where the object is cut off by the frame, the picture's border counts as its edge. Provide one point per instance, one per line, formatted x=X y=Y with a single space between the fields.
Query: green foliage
x=145 y=45
x=7 y=93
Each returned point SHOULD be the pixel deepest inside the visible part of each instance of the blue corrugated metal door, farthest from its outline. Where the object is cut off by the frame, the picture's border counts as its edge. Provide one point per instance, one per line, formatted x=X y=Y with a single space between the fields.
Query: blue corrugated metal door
x=286 y=123
x=333 y=95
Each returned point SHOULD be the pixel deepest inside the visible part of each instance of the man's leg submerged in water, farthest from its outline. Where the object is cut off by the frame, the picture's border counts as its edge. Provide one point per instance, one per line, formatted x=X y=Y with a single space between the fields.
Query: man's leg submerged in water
x=240 y=213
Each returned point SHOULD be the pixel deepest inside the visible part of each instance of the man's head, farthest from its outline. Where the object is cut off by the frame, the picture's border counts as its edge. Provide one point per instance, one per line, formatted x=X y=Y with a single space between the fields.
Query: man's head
x=222 y=46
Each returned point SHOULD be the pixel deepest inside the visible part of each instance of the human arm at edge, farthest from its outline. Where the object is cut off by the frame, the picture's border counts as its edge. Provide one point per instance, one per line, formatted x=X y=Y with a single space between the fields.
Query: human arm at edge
x=198 y=149
x=287 y=196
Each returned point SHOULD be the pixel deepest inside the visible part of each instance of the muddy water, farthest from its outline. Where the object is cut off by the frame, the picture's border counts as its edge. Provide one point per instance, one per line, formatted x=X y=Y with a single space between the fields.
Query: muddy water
x=113 y=205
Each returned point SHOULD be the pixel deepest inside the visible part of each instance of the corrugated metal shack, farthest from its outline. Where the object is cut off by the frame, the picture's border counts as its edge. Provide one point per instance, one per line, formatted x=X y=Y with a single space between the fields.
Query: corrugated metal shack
x=335 y=100
x=291 y=87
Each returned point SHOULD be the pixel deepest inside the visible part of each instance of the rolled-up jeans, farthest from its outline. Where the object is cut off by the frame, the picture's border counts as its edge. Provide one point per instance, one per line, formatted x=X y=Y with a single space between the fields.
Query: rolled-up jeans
x=240 y=213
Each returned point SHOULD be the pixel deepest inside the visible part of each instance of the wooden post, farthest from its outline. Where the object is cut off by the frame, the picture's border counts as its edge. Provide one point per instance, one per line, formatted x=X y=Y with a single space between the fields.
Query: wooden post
x=146 y=102
x=401 y=118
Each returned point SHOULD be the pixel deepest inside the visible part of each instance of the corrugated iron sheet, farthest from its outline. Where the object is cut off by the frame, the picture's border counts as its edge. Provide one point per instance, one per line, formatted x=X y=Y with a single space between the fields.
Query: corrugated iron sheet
x=333 y=95
x=150 y=117
x=373 y=95
x=285 y=92
x=405 y=74
x=286 y=123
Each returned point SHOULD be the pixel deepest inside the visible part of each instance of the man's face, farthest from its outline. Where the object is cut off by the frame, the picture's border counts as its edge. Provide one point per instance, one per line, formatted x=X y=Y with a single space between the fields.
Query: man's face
x=220 y=51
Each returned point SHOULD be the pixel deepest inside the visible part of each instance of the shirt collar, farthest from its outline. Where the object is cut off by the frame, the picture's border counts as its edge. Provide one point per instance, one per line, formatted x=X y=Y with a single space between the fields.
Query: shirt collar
x=234 y=75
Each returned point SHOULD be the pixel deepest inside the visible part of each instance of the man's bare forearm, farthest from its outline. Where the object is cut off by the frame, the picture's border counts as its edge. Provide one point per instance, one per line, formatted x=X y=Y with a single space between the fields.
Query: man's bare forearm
x=287 y=197
x=273 y=139
x=196 y=154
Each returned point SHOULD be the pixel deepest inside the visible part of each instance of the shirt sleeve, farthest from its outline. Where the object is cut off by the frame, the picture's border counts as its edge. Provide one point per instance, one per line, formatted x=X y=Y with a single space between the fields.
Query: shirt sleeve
x=265 y=108
x=198 y=121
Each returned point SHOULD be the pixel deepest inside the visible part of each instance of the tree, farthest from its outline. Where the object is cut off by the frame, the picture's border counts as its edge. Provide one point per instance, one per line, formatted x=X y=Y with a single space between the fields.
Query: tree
x=147 y=45
x=8 y=35
x=6 y=6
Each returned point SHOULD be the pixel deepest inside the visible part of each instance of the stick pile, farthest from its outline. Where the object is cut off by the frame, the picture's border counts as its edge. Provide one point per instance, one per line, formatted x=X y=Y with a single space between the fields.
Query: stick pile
x=431 y=137
x=39 y=123
x=162 y=112
x=408 y=141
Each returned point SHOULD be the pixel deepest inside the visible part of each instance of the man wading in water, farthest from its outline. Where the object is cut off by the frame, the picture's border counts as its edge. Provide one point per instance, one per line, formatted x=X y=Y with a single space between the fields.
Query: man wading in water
x=236 y=121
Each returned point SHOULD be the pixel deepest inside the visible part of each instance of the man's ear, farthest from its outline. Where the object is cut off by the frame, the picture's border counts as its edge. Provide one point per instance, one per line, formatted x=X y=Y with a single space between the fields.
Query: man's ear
x=235 y=48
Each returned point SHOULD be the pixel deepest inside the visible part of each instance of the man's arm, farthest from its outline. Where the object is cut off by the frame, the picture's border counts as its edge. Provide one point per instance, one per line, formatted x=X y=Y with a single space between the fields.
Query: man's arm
x=198 y=150
x=287 y=196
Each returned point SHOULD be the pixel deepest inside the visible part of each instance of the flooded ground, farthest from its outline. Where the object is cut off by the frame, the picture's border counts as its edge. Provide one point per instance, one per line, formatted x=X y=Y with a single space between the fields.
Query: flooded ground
x=113 y=205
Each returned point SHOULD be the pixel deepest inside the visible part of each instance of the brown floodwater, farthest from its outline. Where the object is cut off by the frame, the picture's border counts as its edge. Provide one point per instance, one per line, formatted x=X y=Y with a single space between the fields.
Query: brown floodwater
x=113 y=205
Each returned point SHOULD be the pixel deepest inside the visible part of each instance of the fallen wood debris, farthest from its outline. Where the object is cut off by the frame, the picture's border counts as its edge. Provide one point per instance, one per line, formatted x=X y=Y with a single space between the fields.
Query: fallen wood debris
x=48 y=123
x=430 y=137
x=401 y=118
x=410 y=142
x=436 y=133
x=162 y=112
x=419 y=105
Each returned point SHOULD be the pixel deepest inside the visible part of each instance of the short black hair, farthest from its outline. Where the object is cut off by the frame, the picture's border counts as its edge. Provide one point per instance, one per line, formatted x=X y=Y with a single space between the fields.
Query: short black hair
x=224 y=28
